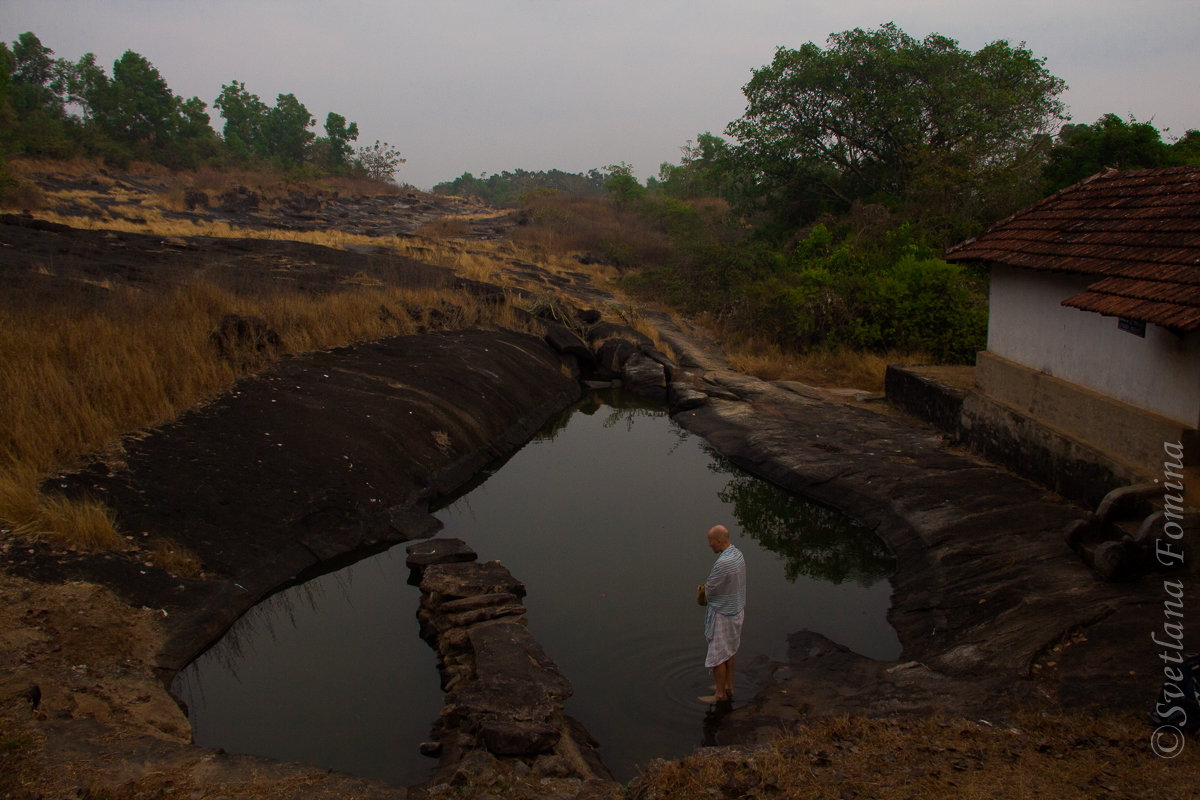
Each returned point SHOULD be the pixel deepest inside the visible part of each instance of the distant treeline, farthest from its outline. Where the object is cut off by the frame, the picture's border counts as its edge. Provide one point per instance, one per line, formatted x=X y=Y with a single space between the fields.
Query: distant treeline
x=508 y=189
x=55 y=108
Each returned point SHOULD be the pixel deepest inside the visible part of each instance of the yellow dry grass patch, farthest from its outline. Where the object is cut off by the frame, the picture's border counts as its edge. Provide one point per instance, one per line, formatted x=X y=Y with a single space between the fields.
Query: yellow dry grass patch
x=74 y=379
x=843 y=368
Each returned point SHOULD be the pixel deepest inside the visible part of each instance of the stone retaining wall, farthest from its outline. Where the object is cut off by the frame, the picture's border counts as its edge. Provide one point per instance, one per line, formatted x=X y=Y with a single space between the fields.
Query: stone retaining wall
x=938 y=403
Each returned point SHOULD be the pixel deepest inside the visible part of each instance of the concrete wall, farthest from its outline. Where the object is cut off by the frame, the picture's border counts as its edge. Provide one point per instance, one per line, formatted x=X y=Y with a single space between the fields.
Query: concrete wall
x=1045 y=454
x=1028 y=325
x=1125 y=433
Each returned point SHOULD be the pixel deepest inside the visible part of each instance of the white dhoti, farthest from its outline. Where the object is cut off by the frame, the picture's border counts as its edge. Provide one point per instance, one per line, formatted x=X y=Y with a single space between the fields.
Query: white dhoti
x=724 y=637
x=726 y=593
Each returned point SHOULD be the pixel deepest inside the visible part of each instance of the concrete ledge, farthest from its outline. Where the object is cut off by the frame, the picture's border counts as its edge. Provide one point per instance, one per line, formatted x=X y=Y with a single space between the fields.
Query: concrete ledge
x=1039 y=452
x=1118 y=431
x=915 y=391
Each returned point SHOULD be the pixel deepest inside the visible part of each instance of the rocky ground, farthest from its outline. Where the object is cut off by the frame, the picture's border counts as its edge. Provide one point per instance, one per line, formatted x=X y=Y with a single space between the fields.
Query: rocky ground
x=336 y=452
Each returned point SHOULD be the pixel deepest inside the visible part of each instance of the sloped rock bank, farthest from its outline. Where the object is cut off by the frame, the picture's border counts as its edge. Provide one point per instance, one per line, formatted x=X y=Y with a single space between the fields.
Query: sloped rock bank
x=992 y=608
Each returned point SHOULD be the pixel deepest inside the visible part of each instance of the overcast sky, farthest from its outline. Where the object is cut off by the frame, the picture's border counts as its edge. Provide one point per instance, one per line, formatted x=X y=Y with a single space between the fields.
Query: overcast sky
x=490 y=85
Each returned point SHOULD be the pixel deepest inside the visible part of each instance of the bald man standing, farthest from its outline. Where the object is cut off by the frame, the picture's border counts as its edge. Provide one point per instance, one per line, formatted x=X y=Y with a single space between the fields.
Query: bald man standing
x=725 y=591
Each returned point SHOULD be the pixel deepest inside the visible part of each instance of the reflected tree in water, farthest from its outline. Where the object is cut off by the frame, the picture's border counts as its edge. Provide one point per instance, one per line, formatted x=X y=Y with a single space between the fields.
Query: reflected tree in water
x=813 y=540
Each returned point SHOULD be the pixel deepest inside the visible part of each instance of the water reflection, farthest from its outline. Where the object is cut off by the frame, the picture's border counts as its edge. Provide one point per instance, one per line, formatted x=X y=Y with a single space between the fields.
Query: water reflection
x=604 y=518
x=812 y=539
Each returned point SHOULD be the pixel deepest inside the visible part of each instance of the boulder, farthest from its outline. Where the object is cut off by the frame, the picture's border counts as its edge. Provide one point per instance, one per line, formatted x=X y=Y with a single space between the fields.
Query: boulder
x=611 y=330
x=504 y=695
x=566 y=341
x=645 y=377
x=513 y=702
x=612 y=355
x=443 y=582
x=662 y=358
x=193 y=199
x=238 y=200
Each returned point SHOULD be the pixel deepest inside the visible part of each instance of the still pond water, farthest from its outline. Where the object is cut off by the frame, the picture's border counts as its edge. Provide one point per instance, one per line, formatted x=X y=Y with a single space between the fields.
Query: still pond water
x=603 y=516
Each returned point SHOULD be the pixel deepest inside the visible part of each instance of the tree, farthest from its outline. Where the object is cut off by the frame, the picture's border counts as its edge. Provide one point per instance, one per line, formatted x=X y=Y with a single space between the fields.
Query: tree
x=7 y=63
x=279 y=133
x=380 y=161
x=1187 y=149
x=332 y=151
x=620 y=182
x=1084 y=150
x=244 y=114
x=88 y=88
x=878 y=115
x=33 y=86
x=706 y=169
x=285 y=131
x=38 y=124
x=141 y=110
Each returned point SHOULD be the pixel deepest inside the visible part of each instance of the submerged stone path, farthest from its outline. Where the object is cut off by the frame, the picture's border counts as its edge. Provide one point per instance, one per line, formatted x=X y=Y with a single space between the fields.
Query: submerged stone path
x=504 y=695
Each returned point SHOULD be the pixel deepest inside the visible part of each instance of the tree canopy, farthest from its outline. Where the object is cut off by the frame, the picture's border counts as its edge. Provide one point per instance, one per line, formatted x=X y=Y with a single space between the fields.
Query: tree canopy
x=1111 y=142
x=878 y=115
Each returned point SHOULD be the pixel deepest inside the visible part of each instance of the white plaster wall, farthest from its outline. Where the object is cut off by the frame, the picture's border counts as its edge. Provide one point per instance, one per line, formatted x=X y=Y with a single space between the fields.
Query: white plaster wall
x=1028 y=324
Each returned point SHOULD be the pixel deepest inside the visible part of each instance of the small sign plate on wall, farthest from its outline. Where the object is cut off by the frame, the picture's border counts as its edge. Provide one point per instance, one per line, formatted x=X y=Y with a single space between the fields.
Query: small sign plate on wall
x=1135 y=326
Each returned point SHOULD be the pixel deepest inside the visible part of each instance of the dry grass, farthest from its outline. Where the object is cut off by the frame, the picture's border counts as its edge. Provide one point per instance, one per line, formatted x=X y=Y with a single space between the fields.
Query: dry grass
x=1031 y=756
x=175 y=559
x=568 y=224
x=829 y=368
x=445 y=228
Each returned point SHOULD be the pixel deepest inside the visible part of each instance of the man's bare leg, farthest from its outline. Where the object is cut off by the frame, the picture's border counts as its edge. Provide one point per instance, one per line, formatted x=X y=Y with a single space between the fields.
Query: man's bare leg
x=723 y=677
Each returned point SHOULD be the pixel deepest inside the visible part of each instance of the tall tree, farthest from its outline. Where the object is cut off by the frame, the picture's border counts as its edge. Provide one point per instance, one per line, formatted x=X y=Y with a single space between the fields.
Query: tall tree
x=33 y=86
x=333 y=150
x=879 y=115
x=7 y=63
x=141 y=107
x=245 y=116
x=88 y=88
x=286 y=133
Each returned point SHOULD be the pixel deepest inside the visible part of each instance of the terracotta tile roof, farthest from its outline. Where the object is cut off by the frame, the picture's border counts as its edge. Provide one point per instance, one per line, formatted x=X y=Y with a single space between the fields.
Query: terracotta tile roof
x=1138 y=231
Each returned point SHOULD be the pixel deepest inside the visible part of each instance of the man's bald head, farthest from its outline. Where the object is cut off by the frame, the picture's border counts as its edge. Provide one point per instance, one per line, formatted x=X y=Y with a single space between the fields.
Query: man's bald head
x=718 y=538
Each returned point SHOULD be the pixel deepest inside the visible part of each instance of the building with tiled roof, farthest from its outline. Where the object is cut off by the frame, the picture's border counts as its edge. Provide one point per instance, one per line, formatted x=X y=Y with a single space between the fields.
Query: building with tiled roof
x=1094 y=317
